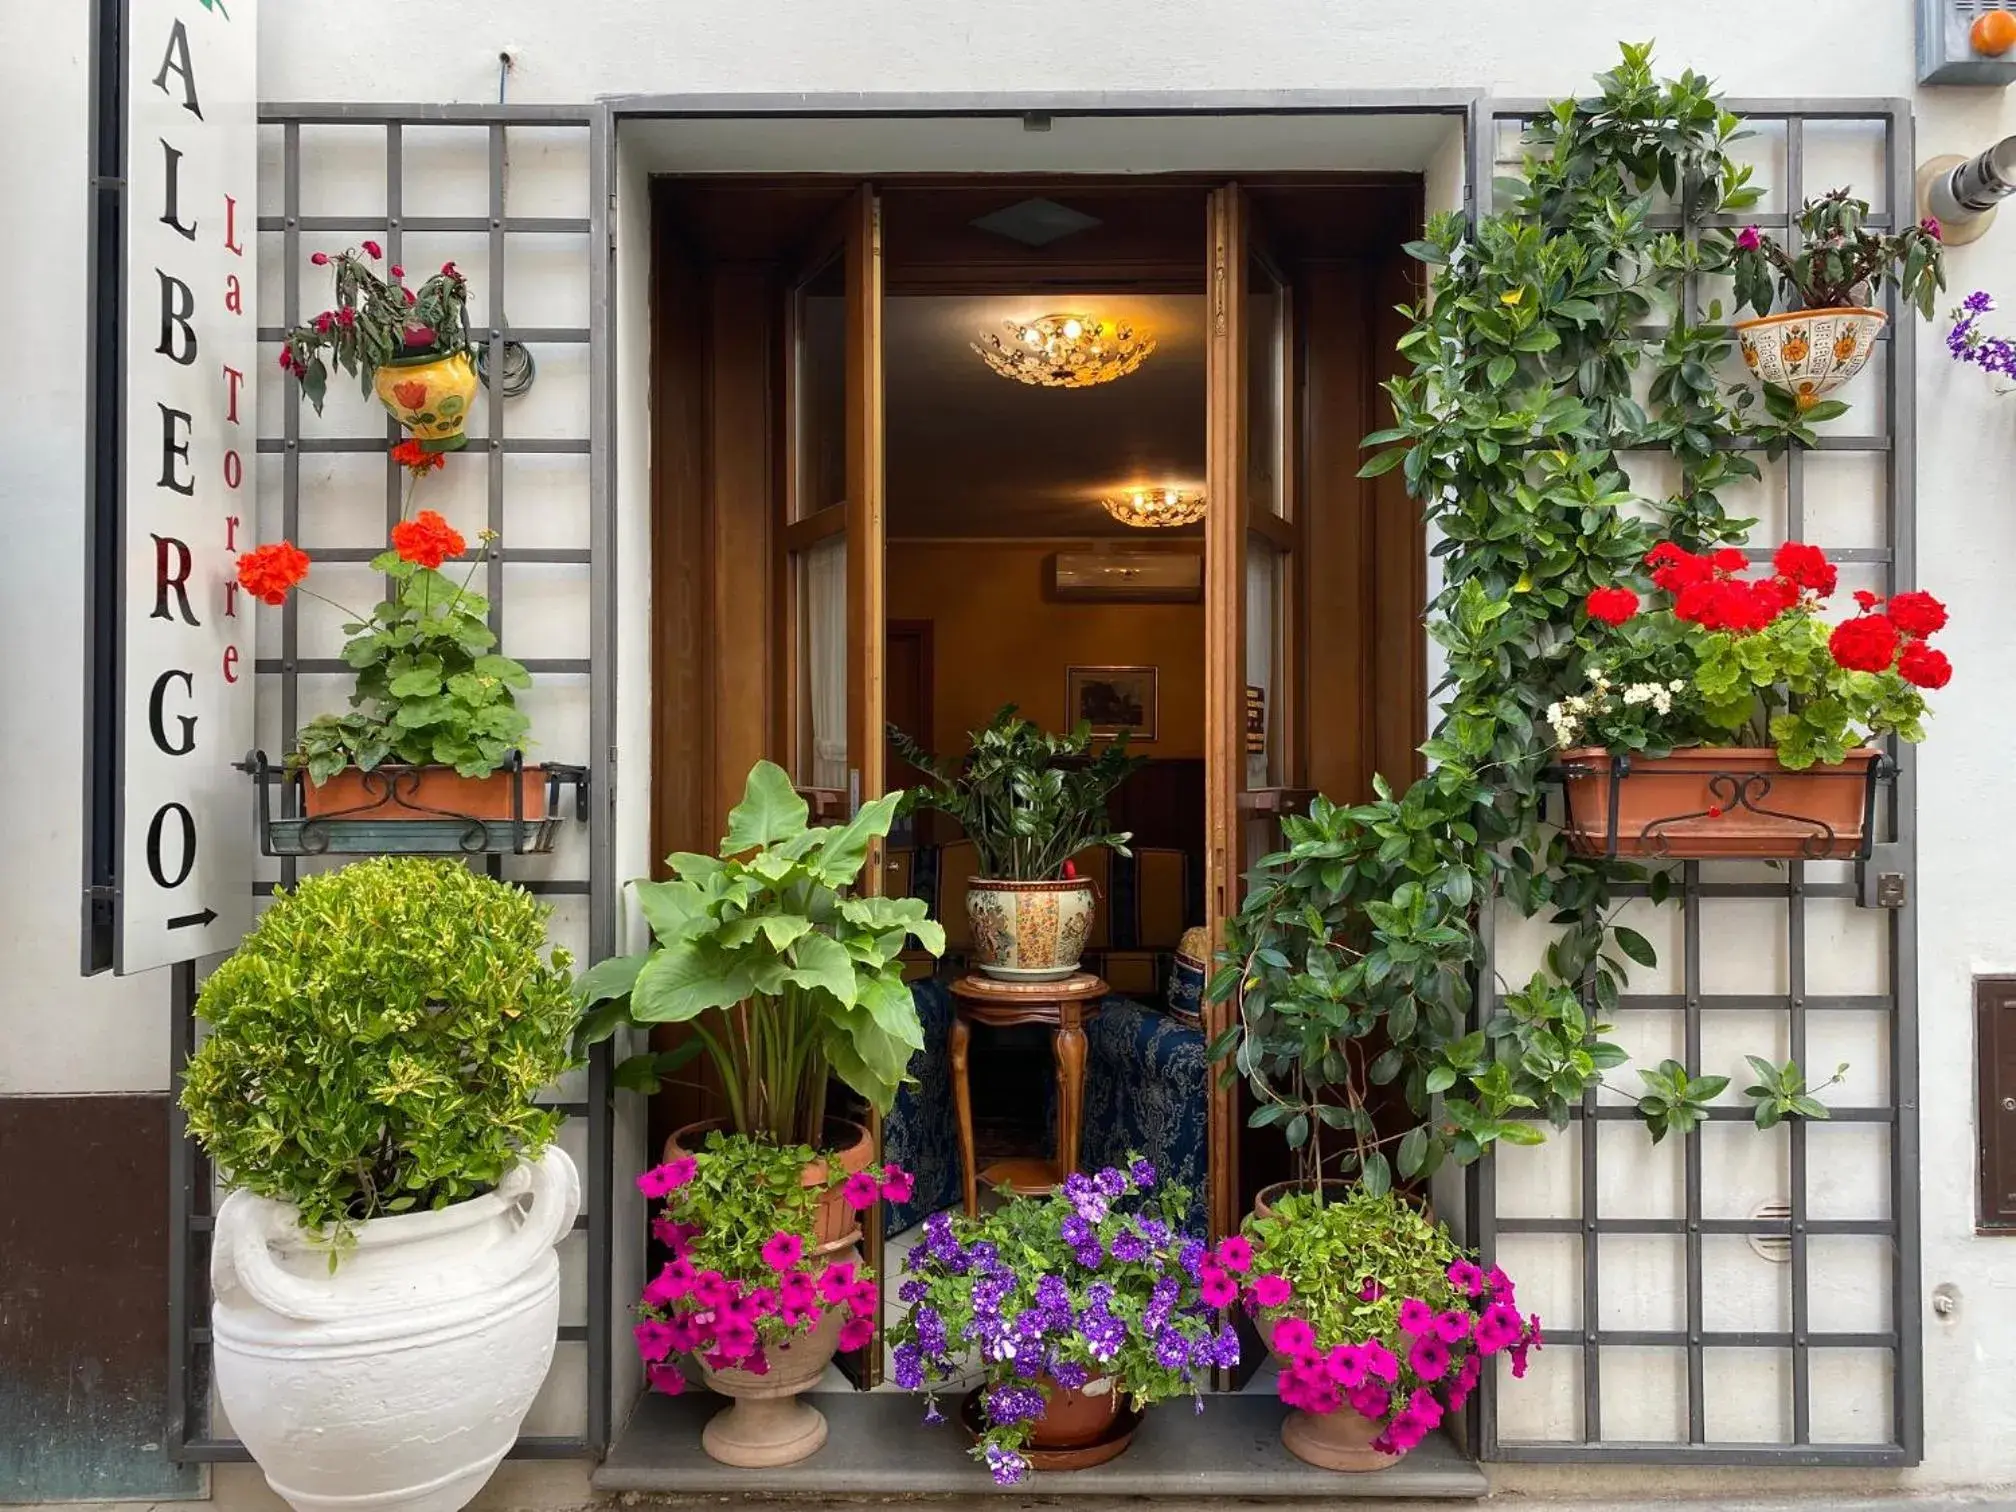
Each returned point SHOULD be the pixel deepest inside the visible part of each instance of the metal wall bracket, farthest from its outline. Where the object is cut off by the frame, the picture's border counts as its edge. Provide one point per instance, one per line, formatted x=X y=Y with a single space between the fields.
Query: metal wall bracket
x=1882 y=881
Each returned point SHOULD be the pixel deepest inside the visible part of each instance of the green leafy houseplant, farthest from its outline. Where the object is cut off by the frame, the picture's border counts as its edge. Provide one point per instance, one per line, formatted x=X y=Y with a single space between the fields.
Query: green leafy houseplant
x=1095 y=1281
x=1028 y=800
x=1840 y=261
x=374 y=321
x=1372 y=1307
x=786 y=975
x=377 y=1040
x=431 y=688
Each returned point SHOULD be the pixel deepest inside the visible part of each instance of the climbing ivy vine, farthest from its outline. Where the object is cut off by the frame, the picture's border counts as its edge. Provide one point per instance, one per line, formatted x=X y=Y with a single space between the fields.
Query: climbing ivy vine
x=1353 y=959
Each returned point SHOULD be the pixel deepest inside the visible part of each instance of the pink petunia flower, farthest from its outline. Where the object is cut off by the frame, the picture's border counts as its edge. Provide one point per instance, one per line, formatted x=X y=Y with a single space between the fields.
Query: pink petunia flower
x=677 y=1237
x=1453 y=1326
x=664 y=1180
x=796 y=1289
x=1466 y=1277
x=897 y=1184
x=1235 y=1254
x=666 y=1380
x=860 y=1191
x=670 y=1285
x=864 y=1298
x=1429 y=1358
x=1294 y=1338
x=711 y=1289
x=735 y=1339
x=654 y=1340
x=1270 y=1291
x=1499 y=1329
x=1416 y=1316
x=856 y=1333
x=782 y=1250
x=1369 y=1401
x=1345 y=1364
x=1371 y=1291
x=836 y=1281
x=1501 y=1286
x=1380 y=1364
x=1216 y=1286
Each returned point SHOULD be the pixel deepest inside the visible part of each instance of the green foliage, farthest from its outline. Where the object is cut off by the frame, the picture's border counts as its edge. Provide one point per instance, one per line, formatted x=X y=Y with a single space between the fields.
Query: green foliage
x=1674 y=1102
x=1028 y=800
x=1352 y=1261
x=373 y=322
x=785 y=973
x=376 y=1041
x=1780 y=1092
x=430 y=686
x=1349 y=961
x=1840 y=261
x=1782 y=687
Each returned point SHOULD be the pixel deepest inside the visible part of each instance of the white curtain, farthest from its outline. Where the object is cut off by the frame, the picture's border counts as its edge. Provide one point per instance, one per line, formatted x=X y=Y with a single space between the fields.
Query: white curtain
x=826 y=659
x=1260 y=586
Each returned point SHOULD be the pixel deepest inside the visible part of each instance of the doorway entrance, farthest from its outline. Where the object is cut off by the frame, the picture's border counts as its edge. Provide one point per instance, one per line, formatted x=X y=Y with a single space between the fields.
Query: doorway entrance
x=856 y=518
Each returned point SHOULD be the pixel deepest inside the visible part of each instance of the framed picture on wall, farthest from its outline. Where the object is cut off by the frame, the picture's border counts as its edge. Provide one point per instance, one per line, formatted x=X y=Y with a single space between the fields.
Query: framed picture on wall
x=1113 y=699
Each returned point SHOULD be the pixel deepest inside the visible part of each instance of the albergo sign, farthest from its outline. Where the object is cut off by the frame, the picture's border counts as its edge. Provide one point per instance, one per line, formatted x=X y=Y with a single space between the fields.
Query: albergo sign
x=179 y=502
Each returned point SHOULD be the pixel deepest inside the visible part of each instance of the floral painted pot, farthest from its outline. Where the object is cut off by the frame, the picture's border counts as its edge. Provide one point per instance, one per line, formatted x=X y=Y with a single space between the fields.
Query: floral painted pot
x=1711 y=802
x=1809 y=352
x=429 y=395
x=849 y=1144
x=766 y=1423
x=397 y=792
x=1029 y=931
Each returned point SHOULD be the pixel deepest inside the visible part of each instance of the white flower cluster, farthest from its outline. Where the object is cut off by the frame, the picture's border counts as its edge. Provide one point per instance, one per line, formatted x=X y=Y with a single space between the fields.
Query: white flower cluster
x=1574 y=714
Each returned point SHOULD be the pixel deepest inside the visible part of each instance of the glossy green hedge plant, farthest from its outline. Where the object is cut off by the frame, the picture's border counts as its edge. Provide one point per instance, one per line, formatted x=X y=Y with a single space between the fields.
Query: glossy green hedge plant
x=376 y=1042
x=785 y=973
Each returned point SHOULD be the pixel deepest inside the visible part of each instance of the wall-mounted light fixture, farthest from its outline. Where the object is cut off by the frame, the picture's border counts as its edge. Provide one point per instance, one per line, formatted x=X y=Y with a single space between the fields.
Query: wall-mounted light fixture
x=1962 y=193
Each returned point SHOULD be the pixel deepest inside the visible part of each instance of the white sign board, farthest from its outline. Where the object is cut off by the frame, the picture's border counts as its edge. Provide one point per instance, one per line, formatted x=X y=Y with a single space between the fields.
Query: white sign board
x=191 y=357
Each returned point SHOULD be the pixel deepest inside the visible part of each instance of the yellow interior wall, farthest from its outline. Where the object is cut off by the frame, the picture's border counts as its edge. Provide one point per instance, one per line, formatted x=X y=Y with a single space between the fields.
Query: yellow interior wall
x=996 y=638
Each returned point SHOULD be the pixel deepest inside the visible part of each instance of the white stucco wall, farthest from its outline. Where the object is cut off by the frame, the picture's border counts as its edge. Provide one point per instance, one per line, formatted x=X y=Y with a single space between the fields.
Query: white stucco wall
x=59 y=1033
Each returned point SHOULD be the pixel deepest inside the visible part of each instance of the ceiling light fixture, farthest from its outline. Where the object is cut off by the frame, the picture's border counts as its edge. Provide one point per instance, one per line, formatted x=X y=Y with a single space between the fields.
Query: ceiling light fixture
x=1156 y=508
x=1065 y=351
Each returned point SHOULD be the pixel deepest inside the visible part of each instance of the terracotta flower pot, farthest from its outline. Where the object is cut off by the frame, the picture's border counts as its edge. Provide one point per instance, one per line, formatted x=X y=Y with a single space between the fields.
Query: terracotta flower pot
x=849 y=1143
x=1809 y=352
x=1073 y=1419
x=1029 y=931
x=1714 y=802
x=766 y=1424
x=396 y=792
x=1340 y=1440
x=429 y=395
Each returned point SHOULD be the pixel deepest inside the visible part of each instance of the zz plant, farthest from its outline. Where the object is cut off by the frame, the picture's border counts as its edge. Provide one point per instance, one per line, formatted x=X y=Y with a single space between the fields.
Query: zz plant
x=1351 y=962
x=377 y=1039
x=786 y=974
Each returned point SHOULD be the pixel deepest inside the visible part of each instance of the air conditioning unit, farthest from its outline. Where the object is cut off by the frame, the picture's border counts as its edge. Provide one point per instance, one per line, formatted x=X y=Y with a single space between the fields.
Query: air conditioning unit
x=1136 y=577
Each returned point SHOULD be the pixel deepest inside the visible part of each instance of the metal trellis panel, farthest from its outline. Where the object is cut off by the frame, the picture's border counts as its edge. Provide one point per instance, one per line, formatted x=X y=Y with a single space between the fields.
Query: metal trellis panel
x=190 y=1436
x=1893 y=862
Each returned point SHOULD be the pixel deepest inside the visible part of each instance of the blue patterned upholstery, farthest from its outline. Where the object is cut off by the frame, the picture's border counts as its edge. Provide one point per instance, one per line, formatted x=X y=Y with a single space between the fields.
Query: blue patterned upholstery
x=1144 y=1092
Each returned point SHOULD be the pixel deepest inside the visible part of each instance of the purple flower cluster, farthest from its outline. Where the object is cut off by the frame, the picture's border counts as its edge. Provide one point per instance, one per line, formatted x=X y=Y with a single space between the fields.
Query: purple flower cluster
x=1967 y=342
x=1103 y=1285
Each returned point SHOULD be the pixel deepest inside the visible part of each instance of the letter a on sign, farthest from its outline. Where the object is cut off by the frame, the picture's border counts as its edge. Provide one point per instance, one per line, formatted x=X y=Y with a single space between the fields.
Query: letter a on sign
x=182 y=859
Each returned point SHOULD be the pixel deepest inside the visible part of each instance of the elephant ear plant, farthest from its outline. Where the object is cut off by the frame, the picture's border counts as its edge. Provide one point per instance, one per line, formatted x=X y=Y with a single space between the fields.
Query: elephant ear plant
x=376 y=1042
x=786 y=975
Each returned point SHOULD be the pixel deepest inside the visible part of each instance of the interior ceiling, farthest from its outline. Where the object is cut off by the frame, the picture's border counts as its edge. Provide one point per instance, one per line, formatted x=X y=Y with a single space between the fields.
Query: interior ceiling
x=970 y=453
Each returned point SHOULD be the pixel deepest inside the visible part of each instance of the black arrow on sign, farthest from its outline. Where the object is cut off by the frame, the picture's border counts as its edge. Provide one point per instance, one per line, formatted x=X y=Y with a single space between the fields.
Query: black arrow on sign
x=183 y=921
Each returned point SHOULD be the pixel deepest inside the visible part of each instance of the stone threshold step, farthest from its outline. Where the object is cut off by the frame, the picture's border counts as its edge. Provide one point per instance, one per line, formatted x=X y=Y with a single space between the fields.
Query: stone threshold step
x=877 y=1443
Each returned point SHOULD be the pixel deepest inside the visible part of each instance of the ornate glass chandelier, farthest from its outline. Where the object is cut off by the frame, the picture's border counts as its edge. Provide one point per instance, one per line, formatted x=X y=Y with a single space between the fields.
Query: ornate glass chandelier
x=1065 y=351
x=1156 y=508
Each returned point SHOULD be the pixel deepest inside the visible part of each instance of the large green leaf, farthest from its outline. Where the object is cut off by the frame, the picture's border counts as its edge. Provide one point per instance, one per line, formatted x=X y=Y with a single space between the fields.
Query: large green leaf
x=684 y=981
x=770 y=811
x=911 y=914
x=889 y=1002
x=670 y=908
x=612 y=978
x=839 y=859
x=821 y=961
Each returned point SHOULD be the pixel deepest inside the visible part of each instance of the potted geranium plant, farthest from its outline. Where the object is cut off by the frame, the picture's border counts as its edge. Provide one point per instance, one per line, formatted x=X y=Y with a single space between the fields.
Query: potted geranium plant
x=1824 y=334
x=1029 y=801
x=383 y=1268
x=1084 y=1307
x=1380 y=1321
x=1733 y=720
x=410 y=346
x=434 y=719
x=750 y=1292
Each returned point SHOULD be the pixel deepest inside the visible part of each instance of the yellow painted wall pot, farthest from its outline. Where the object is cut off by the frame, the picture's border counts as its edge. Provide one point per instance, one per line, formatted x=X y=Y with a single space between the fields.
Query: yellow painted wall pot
x=430 y=396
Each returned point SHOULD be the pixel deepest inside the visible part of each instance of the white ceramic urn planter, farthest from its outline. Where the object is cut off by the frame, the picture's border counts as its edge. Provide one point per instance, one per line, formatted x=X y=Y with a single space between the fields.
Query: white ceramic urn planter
x=397 y=1380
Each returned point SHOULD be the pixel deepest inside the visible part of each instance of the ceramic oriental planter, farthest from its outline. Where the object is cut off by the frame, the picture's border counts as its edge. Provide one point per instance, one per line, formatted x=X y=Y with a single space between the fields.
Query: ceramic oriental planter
x=848 y=1144
x=1029 y=931
x=1809 y=352
x=1713 y=802
x=396 y=1381
x=429 y=395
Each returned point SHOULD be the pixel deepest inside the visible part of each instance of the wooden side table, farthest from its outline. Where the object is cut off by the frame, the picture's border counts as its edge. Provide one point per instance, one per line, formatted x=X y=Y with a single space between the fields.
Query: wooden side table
x=1064 y=1005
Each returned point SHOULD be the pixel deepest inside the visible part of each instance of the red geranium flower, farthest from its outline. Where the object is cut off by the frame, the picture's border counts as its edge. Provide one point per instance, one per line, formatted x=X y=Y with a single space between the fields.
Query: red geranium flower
x=1867 y=643
x=1806 y=566
x=426 y=540
x=1917 y=613
x=1923 y=667
x=411 y=454
x=1674 y=568
x=374 y=250
x=1612 y=606
x=1865 y=600
x=1728 y=559
x=267 y=572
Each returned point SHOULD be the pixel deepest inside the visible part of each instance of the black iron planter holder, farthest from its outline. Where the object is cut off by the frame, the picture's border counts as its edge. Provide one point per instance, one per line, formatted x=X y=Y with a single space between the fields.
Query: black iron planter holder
x=1729 y=790
x=395 y=822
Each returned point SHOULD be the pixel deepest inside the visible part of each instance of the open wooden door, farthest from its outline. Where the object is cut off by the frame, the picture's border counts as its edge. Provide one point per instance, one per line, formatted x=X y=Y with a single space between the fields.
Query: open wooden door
x=831 y=556
x=1255 y=756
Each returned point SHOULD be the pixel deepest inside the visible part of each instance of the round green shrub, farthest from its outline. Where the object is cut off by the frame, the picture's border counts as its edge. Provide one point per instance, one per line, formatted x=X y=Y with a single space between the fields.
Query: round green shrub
x=377 y=1039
